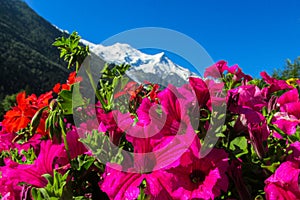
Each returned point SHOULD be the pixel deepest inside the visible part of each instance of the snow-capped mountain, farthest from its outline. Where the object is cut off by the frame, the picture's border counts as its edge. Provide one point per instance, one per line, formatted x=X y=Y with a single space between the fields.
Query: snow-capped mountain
x=156 y=68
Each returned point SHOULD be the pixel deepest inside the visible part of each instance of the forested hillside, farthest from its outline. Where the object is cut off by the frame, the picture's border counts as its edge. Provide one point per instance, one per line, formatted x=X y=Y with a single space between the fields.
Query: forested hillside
x=27 y=58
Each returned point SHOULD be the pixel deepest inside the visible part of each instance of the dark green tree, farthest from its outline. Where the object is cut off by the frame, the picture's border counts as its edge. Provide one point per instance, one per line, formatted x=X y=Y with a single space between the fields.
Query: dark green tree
x=290 y=70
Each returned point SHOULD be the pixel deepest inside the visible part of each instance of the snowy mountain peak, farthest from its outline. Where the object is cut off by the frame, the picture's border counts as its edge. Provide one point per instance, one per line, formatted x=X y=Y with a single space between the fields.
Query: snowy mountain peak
x=155 y=68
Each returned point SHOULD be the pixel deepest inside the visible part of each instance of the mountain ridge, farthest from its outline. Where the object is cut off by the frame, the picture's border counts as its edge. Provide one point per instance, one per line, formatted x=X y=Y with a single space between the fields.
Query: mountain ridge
x=155 y=68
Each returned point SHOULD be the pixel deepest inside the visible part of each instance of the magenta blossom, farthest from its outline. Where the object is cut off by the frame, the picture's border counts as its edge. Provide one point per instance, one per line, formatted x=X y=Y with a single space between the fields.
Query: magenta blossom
x=216 y=70
x=51 y=156
x=163 y=128
x=201 y=90
x=295 y=156
x=289 y=102
x=290 y=96
x=292 y=109
x=114 y=122
x=249 y=96
x=9 y=188
x=151 y=159
x=274 y=85
x=6 y=140
x=76 y=147
x=202 y=178
x=220 y=67
x=284 y=183
x=150 y=155
x=120 y=185
x=156 y=148
x=287 y=123
x=258 y=135
x=207 y=92
x=288 y=118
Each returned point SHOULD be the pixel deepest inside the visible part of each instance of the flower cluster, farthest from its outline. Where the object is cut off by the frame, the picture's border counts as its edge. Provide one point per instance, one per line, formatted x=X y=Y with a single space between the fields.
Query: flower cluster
x=224 y=136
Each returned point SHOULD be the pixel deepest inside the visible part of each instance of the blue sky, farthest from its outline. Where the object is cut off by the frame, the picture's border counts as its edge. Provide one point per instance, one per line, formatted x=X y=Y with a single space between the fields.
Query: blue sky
x=256 y=35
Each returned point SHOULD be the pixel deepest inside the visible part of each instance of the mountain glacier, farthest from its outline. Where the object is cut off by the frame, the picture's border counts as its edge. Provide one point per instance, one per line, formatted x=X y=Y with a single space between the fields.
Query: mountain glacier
x=156 y=68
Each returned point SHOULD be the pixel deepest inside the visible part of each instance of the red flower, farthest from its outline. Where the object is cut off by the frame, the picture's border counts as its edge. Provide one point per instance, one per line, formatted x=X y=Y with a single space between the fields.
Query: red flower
x=129 y=88
x=67 y=86
x=19 y=116
x=56 y=88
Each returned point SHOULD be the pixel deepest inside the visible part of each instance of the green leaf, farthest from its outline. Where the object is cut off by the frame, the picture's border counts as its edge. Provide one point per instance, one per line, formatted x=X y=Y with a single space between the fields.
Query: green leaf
x=278 y=130
x=35 y=121
x=73 y=53
x=18 y=157
x=239 y=146
x=102 y=148
x=76 y=96
x=65 y=100
x=272 y=168
x=142 y=195
x=83 y=162
x=55 y=189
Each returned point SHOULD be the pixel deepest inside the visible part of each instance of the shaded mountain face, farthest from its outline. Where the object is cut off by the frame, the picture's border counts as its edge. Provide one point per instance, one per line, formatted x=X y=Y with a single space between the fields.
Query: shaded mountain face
x=27 y=58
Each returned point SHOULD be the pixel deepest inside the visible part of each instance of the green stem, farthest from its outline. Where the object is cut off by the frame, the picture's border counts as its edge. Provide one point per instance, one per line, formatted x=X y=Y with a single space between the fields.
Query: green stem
x=64 y=135
x=67 y=147
x=99 y=97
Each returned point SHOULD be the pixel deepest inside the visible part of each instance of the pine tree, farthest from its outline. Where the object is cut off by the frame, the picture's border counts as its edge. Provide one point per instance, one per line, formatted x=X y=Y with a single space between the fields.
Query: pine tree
x=291 y=70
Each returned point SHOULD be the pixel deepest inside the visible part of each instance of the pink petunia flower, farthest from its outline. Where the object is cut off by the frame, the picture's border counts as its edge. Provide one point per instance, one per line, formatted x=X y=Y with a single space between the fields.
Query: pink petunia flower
x=150 y=159
x=120 y=185
x=114 y=122
x=76 y=147
x=9 y=188
x=288 y=118
x=284 y=183
x=156 y=148
x=292 y=109
x=6 y=138
x=287 y=123
x=216 y=70
x=258 y=135
x=51 y=156
x=200 y=178
x=249 y=96
x=295 y=156
x=288 y=97
x=274 y=85
x=220 y=67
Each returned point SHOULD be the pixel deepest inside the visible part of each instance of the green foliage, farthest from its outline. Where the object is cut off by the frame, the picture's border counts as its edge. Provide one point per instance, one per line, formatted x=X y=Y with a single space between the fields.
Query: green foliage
x=55 y=189
x=71 y=51
x=61 y=107
x=22 y=157
x=143 y=195
x=85 y=172
x=239 y=146
x=35 y=121
x=291 y=70
x=101 y=147
x=111 y=80
x=111 y=75
x=69 y=99
x=55 y=120
x=7 y=103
